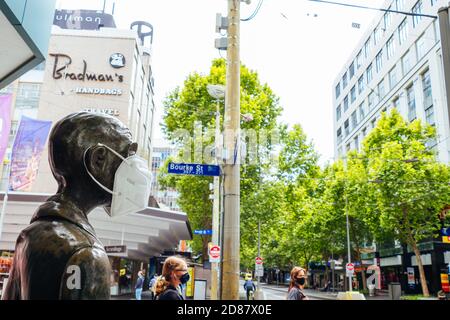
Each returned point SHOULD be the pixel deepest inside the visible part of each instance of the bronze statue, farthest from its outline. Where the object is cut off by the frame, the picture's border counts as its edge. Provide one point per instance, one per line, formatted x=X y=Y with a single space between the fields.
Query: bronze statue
x=59 y=256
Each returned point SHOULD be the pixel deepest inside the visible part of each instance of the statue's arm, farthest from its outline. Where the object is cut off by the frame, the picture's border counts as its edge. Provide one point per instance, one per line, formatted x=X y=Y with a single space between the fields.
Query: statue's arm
x=86 y=276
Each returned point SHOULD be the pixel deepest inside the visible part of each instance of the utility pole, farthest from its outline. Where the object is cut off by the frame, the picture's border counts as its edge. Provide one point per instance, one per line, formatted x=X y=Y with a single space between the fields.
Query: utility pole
x=231 y=241
x=348 y=243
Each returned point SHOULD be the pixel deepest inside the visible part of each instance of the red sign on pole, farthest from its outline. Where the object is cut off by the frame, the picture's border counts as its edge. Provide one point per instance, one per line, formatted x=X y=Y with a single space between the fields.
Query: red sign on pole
x=214 y=252
x=258 y=260
x=350 y=267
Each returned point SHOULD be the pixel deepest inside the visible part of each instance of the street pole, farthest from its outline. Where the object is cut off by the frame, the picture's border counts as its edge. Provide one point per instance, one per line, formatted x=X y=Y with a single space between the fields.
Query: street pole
x=231 y=243
x=444 y=28
x=348 y=243
x=216 y=207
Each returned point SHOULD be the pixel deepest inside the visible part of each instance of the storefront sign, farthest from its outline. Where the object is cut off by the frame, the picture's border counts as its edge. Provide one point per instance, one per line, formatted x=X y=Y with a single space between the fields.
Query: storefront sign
x=83 y=19
x=116 y=249
x=122 y=272
x=109 y=111
x=61 y=63
x=446 y=239
x=444 y=282
x=117 y=60
x=99 y=91
x=411 y=278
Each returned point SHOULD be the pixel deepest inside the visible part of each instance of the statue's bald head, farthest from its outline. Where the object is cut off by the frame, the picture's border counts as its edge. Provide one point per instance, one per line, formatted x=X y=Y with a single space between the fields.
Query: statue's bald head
x=78 y=132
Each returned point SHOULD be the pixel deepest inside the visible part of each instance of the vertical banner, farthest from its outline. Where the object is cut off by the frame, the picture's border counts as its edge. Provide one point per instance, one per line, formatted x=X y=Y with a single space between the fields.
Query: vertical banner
x=190 y=283
x=26 y=154
x=5 y=123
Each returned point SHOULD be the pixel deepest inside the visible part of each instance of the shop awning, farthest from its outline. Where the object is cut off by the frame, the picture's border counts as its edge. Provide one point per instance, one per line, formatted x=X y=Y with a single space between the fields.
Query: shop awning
x=144 y=234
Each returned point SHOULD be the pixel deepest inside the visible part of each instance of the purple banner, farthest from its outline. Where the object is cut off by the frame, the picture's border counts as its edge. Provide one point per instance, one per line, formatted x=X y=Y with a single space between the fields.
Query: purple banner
x=26 y=154
x=5 y=123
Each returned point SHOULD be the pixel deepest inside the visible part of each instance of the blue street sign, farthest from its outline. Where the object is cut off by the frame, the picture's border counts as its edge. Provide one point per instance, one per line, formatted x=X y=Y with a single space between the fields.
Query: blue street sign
x=445 y=231
x=194 y=169
x=203 y=232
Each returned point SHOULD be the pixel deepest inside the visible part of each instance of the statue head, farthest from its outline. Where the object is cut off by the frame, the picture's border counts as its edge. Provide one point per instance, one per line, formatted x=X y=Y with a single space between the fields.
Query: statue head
x=73 y=148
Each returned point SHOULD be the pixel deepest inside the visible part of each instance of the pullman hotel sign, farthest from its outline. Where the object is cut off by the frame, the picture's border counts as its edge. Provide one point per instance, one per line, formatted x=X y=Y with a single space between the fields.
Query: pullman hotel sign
x=83 y=19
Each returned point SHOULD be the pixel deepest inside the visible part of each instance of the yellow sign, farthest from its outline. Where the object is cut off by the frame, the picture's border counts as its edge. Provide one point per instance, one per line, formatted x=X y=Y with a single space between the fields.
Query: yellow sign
x=123 y=272
x=446 y=239
x=190 y=283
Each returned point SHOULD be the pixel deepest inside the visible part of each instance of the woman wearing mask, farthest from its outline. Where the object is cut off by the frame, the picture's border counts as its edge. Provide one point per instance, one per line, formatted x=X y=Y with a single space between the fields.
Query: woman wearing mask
x=174 y=273
x=298 y=280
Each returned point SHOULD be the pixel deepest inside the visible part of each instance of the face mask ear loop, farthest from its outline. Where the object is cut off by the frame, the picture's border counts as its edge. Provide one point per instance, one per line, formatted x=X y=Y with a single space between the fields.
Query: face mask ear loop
x=90 y=174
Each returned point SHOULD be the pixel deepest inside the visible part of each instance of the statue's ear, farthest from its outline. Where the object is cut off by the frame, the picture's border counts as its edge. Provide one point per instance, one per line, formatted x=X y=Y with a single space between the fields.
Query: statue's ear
x=96 y=159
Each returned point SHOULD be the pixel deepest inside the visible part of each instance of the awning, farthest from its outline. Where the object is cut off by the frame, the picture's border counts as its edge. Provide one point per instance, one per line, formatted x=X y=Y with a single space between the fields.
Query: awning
x=145 y=234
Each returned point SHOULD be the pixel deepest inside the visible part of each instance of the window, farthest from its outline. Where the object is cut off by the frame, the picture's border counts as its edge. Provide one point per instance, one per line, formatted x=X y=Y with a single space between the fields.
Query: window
x=353 y=94
x=387 y=19
x=403 y=31
x=362 y=112
x=381 y=92
x=351 y=70
x=371 y=100
x=374 y=122
x=390 y=47
x=339 y=135
x=354 y=118
x=347 y=147
x=429 y=115
x=356 y=143
x=27 y=100
x=345 y=103
x=426 y=85
x=346 y=128
x=338 y=90
x=344 y=80
x=420 y=47
x=399 y=4
x=379 y=60
x=358 y=60
x=367 y=47
x=406 y=62
x=376 y=35
x=364 y=132
x=411 y=103
x=396 y=103
x=369 y=73
x=338 y=113
x=417 y=9
x=393 y=77
x=361 y=84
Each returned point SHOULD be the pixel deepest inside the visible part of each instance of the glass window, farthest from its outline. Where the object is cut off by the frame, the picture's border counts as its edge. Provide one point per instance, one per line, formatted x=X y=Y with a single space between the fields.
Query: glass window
x=356 y=140
x=344 y=80
x=379 y=60
x=376 y=35
x=361 y=84
x=420 y=47
x=371 y=100
x=364 y=132
x=27 y=100
x=347 y=147
x=417 y=9
x=346 y=128
x=338 y=90
x=354 y=118
x=399 y=4
x=346 y=103
x=429 y=115
x=362 y=112
x=358 y=60
x=406 y=63
x=374 y=122
x=338 y=112
x=396 y=103
x=403 y=31
x=369 y=73
x=390 y=47
x=426 y=85
x=339 y=135
x=393 y=77
x=411 y=103
x=351 y=70
x=367 y=47
x=353 y=94
x=381 y=91
x=387 y=19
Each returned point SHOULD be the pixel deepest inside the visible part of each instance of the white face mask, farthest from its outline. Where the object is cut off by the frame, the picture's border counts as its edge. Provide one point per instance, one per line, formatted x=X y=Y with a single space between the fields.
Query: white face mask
x=132 y=184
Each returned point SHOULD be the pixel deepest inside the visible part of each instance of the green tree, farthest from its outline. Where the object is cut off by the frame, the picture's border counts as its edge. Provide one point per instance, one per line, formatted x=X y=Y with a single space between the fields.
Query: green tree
x=410 y=186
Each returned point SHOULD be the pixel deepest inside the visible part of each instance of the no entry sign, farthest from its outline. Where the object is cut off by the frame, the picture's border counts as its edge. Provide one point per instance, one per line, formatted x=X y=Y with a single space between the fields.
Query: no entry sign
x=350 y=268
x=258 y=260
x=214 y=253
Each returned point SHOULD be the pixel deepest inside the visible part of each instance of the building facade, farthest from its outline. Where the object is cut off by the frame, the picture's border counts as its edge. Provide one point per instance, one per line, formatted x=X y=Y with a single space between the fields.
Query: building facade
x=397 y=64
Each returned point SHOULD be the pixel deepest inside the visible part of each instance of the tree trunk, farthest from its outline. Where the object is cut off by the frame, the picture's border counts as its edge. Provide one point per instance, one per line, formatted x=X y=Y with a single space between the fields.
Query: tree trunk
x=358 y=257
x=423 y=280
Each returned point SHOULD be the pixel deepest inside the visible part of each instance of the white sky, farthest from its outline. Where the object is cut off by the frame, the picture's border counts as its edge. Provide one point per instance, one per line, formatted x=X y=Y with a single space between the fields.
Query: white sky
x=298 y=55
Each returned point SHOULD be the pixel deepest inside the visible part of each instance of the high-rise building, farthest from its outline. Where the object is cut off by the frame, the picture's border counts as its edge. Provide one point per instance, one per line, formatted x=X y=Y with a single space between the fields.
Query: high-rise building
x=397 y=64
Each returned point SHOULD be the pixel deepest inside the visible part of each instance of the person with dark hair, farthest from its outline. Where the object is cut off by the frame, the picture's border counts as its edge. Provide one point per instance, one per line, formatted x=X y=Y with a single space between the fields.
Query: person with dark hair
x=297 y=283
x=174 y=273
x=59 y=255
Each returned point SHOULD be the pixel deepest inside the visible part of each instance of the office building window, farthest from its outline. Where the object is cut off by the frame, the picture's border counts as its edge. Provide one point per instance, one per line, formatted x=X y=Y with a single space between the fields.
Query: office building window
x=346 y=128
x=361 y=84
x=27 y=100
x=354 y=118
x=393 y=77
x=345 y=103
x=374 y=122
x=411 y=103
x=406 y=63
x=364 y=132
x=390 y=47
x=381 y=92
x=338 y=90
x=403 y=31
x=359 y=60
x=429 y=115
x=356 y=143
x=377 y=35
x=367 y=47
x=347 y=147
x=426 y=85
x=339 y=135
x=420 y=47
x=353 y=94
x=344 y=81
x=387 y=19
x=369 y=73
x=351 y=70
x=379 y=60
x=396 y=103
x=362 y=111
x=338 y=112
x=371 y=100
x=399 y=4
x=417 y=9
